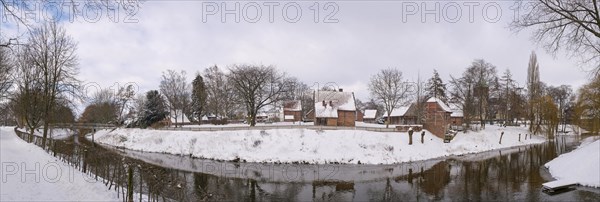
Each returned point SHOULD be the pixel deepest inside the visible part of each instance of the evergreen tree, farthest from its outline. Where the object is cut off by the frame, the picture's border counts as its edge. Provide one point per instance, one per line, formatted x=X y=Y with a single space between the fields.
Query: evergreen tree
x=199 y=95
x=155 y=109
x=435 y=87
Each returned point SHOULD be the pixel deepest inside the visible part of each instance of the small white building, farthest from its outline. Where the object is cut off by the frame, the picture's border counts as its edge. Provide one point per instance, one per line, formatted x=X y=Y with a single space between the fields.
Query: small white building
x=369 y=115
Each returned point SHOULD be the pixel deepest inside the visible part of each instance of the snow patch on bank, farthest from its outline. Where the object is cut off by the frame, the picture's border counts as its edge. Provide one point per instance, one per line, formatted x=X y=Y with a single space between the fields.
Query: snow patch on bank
x=581 y=165
x=309 y=146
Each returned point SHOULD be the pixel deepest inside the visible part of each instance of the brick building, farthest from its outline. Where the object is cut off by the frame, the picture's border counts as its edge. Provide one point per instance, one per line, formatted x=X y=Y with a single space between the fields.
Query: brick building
x=334 y=108
x=437 y=117
x=292 y=111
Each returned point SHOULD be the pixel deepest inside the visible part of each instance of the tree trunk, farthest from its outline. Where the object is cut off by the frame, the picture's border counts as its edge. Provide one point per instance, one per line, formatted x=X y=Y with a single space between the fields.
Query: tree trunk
x=389 y=119
x=423 y=137
x=45 y=133
x=501 y=134
x=175 y=119
x=130 y=183
x=253 y=118
x=31 y=135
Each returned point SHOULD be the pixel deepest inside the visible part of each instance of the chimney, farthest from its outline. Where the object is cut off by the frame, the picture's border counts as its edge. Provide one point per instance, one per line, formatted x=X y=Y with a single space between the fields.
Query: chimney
x=330 y=103
x=341 y=90
x=324 y=104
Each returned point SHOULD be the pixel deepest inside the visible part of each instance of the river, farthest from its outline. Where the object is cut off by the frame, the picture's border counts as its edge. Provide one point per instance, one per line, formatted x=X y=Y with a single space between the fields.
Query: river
x=500 y=175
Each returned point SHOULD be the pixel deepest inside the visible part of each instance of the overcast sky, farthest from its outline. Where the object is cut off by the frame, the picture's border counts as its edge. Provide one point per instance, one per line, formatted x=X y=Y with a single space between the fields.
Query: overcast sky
x=368 y=36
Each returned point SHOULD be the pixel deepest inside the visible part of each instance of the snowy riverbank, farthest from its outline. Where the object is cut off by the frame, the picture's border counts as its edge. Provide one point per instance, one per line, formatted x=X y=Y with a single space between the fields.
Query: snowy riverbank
x=31 y=174
x=311 y=146
x=56 y=133
x=581 y=165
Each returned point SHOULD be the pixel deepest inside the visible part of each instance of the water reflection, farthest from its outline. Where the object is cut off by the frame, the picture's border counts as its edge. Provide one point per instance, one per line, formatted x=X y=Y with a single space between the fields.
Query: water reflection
x=512 y=174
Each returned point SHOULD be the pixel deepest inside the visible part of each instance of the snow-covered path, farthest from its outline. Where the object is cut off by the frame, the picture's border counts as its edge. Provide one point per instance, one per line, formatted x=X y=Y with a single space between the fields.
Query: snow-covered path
x=581 y=165
x=311 y=146
x=28 y=173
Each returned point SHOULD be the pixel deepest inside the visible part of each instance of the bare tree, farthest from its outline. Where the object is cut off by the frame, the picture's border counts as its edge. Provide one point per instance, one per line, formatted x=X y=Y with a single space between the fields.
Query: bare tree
x=174 y=87
x=561 y=96
x=462 y=95
x=221 y=99
x=391 y=89
x=27 y=102
x=137 y=110
x=485 y=76
x=573 y=25
x=14 y=12
x=52 y=55
x=103 y=108
x=257 y=86
x=123 y=100
x=472 y=90
x=297 y=90
x=103 y=96
x=5 y=74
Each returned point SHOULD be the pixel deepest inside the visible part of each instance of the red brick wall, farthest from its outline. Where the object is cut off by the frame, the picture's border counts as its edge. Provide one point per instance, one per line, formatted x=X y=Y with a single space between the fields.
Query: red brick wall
x=332 y=121
x=297 y=115
x=436 y=120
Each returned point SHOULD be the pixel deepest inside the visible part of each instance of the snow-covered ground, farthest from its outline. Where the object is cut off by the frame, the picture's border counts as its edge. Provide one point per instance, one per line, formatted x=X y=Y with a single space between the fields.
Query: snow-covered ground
x=311 y=146
x=58 y=133
x=372 y=125
x=31 y=174
x=581 y=165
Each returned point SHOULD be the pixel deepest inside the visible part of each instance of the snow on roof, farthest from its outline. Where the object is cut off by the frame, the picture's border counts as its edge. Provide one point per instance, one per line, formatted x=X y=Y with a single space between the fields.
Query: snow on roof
x=456 y=111
x=370 y=114
x=334 y=101
x=400 y=111
x=292 y=105
x=442 y=104
x=178 y=118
